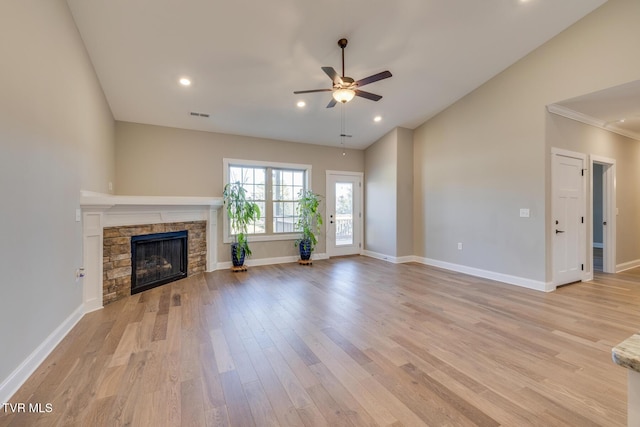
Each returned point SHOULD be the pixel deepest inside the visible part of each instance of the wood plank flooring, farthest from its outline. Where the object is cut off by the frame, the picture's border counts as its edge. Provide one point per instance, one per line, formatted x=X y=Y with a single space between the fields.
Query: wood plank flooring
x=347 y=342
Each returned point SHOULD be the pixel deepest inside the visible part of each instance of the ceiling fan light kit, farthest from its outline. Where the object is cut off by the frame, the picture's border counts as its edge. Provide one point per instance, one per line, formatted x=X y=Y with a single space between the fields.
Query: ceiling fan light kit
x=344 y=88
x=343 y=95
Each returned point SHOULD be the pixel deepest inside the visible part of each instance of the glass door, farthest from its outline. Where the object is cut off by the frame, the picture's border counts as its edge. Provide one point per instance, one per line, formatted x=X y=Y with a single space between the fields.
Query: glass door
x=344 y=213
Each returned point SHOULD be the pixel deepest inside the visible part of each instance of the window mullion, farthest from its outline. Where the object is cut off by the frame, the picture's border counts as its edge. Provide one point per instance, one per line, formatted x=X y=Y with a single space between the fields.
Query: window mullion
x=269 y=202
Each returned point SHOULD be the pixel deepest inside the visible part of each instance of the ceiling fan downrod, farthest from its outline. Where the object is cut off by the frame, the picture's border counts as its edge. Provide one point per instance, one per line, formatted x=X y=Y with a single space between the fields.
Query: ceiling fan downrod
x=342 y=43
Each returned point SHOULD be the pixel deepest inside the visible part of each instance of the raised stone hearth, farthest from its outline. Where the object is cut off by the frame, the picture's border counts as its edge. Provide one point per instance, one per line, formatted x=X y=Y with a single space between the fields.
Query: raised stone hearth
x=108 y=222
x=116 y=277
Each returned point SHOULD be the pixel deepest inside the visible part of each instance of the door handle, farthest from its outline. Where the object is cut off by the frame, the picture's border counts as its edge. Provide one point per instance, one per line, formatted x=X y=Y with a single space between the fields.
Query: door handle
x=604 y=223
x=559 y=231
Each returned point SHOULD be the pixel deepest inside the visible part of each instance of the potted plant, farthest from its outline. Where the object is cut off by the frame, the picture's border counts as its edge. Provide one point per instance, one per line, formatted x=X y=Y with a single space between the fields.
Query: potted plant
x=241 y=212
x=308 y=223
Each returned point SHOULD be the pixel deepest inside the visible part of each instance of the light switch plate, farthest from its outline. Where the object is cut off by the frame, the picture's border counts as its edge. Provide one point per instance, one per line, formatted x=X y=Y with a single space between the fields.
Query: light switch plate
x=78 y=215
x=524 y=213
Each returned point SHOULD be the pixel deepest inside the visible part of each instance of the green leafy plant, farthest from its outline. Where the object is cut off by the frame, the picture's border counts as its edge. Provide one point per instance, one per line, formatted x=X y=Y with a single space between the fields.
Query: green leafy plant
x=309 y=218
x=241 y=212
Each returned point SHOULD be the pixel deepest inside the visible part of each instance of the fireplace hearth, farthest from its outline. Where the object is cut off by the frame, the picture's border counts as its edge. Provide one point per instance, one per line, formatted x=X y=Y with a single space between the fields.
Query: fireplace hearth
x=157 y=259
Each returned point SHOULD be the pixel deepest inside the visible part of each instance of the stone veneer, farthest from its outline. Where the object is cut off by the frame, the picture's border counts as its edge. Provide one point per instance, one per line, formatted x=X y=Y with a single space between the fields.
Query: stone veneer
x=116 y=283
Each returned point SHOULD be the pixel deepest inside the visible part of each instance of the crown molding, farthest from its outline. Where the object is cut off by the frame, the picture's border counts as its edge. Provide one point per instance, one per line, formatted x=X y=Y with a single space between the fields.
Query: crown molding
x=592 y=121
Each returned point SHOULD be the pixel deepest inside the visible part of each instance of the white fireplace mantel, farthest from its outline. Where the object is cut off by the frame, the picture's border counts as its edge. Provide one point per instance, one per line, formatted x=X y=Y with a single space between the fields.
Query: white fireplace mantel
x=105 y=210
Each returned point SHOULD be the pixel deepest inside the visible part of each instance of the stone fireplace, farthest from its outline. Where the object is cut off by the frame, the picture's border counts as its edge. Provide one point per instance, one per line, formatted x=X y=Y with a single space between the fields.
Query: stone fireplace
x=109 y=223
x=154 y=268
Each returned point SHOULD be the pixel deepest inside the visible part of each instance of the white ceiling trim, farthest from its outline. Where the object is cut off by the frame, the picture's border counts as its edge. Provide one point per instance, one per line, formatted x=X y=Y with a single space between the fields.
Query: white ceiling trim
x=589 y=120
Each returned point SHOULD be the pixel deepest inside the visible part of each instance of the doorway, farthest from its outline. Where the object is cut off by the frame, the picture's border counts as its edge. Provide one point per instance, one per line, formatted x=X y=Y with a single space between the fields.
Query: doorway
x=603 y=214
x=598 y=217
x=344 y=213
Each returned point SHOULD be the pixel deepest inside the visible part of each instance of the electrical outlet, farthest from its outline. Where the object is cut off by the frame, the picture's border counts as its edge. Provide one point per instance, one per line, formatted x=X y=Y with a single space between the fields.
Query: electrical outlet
x=459 y=246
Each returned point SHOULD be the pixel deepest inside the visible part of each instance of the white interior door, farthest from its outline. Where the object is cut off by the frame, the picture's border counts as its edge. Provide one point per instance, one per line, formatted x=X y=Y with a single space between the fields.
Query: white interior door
x=344 y=213
x=568 y=221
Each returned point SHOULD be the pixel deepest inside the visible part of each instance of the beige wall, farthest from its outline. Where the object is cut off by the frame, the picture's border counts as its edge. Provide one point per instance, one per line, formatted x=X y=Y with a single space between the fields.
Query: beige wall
x=380 y=185
x=389 y=194
x=162 y=161
x=404 y=203
x=481 y=160
x=582 y=138
x=56 y=138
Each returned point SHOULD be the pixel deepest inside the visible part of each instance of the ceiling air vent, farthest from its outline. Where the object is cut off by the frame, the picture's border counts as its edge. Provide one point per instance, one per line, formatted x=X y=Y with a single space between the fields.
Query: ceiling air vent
x=193 y=113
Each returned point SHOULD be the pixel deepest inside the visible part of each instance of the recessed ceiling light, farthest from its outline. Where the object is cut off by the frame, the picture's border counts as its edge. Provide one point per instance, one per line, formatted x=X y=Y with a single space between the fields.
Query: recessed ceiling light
x=621 y=120
x=301 y=104
x=377 y=118
x=185 y=81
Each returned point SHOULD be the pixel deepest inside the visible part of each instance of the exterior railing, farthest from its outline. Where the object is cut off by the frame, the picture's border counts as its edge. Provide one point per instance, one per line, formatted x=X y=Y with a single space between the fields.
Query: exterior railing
x=344 y=229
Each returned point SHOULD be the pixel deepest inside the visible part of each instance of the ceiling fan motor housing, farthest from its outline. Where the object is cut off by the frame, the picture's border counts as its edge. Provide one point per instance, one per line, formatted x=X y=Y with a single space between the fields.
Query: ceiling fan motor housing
x=347 y=83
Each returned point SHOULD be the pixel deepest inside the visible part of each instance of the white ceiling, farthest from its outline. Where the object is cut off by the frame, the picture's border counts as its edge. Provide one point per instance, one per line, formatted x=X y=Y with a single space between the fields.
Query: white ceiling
x=246 y=57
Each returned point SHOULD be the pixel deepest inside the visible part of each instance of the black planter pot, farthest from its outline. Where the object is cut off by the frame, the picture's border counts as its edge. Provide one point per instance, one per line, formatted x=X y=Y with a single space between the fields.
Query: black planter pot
x=237 y=255
x=305 y=249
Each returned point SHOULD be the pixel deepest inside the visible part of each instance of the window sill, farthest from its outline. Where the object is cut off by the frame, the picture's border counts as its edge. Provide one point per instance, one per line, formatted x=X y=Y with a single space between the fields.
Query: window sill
x=266 y=237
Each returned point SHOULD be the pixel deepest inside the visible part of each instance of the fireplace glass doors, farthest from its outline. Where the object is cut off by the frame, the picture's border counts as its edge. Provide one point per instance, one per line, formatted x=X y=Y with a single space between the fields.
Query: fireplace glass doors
x=157 y=259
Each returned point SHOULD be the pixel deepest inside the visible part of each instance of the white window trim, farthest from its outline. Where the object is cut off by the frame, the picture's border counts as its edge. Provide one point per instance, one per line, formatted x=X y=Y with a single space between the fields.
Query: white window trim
x=226 y=237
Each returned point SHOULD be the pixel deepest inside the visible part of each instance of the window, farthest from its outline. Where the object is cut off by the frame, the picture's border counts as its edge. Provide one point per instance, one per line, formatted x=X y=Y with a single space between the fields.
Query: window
x=285 y=186
x=275 y=188
x=254 y=180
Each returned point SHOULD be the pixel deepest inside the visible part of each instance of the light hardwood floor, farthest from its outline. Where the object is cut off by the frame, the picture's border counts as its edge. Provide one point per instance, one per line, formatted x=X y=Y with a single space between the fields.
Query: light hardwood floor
x=348 y=341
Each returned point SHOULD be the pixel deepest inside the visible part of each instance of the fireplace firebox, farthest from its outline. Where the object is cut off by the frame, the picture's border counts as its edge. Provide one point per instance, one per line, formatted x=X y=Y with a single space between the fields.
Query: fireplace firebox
x=157 y=259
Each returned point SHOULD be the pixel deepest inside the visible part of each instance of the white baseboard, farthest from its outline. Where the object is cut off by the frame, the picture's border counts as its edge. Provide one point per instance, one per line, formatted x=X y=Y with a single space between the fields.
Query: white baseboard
x=627 y=265
x=15 y=380
x=492 y=275
x=499 y=277
x=598 y=245
x=388 y=258
x=91 y=308
x=270 y=261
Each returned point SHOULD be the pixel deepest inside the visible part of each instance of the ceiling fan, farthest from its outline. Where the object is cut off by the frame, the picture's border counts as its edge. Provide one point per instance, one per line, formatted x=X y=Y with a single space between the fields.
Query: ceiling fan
x=345 y=88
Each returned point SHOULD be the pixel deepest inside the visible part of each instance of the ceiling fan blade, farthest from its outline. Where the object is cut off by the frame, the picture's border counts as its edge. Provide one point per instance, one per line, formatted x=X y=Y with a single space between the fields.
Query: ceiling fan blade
x=374 y=78
x=332 y=103
x=368 y=95
x=333 y=75
x=312 y=90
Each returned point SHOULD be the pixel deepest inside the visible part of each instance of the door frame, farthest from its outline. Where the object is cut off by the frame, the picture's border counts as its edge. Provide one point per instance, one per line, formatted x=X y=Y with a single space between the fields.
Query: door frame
x=360 y=176
x=582 y=250
x=609 y=212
